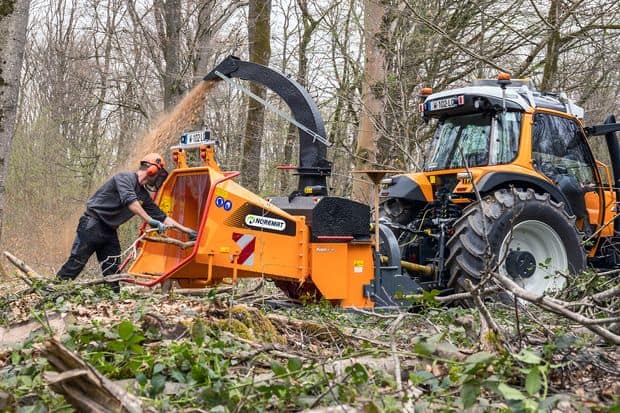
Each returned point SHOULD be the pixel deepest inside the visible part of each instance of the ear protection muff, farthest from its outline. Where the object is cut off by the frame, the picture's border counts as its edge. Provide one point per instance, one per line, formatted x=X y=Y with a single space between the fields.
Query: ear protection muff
x=153 y=169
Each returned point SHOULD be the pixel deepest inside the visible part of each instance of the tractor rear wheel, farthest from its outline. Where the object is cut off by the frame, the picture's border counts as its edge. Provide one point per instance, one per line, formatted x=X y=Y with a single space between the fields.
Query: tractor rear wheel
x=530 y=239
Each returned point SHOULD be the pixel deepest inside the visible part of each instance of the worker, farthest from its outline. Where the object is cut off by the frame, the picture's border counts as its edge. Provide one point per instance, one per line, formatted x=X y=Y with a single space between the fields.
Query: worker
x=124 y=195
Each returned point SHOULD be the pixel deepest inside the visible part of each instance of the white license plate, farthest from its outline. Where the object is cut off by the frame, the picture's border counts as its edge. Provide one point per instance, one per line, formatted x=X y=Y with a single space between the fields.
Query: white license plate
x=446 y=103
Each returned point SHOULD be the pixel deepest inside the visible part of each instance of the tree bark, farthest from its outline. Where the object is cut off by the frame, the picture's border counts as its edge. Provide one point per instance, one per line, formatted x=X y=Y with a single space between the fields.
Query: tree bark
x=553 y=47
x=13 y=23
x=372 y=99
x=171 y=44
x=259 y=33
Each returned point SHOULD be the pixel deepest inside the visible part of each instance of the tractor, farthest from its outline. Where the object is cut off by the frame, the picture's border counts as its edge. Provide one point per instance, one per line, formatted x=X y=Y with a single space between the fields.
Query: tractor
x=509 y=185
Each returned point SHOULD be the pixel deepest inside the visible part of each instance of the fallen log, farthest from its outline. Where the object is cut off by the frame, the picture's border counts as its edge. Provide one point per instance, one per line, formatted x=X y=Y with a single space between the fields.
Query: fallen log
x=83 y=386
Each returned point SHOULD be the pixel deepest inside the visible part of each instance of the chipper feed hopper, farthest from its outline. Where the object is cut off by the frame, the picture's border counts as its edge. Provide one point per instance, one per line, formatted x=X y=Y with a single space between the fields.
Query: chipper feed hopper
x=308 y=242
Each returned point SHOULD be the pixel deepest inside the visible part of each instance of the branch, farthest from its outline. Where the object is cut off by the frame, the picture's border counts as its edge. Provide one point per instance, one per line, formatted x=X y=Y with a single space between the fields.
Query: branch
x=23 y=267
x=173 y=241
x=556 y=307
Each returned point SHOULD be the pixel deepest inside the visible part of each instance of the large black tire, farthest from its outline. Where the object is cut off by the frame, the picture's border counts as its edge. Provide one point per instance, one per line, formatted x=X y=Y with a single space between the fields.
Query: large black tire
x=516 y=224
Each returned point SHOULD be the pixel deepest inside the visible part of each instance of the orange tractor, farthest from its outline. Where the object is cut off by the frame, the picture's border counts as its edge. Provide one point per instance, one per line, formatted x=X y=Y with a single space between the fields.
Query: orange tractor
x=510 y=185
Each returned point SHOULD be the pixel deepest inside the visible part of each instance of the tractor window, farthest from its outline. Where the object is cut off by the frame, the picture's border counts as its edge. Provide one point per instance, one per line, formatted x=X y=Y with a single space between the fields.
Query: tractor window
x=559 y=148
x=480 y=138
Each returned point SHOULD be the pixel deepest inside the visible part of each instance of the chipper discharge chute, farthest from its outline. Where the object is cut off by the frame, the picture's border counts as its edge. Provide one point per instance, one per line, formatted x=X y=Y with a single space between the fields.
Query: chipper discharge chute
x=307 y=242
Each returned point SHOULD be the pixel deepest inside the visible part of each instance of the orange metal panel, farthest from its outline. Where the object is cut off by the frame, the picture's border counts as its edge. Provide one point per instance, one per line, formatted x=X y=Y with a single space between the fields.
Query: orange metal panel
x=340 y=271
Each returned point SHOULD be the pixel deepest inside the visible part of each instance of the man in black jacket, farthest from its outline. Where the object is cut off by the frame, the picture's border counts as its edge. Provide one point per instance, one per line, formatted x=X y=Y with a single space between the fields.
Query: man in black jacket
x=115 y=202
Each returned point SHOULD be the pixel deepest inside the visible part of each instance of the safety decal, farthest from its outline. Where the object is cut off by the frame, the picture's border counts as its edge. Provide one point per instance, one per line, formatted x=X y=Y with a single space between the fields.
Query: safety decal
x=220 y=202
x=246 y=244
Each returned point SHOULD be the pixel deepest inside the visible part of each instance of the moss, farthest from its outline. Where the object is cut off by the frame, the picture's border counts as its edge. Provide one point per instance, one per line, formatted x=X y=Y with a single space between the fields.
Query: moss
x=236 y=327
x=6 y=7
x=258 y=324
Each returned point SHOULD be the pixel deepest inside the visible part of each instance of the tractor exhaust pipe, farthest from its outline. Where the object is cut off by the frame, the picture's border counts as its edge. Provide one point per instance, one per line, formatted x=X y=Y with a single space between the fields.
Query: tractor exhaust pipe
x=614 y=153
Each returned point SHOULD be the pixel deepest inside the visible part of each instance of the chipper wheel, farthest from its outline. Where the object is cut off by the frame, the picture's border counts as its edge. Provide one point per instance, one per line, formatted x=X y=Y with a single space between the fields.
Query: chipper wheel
x=532 y=238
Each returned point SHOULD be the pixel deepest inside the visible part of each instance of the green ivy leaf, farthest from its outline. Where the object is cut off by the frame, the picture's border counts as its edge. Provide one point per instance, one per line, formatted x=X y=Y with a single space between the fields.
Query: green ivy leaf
x=509 y=393
x=425 y=346
x=482 y=357
x=529 y=357
x=125 y=330
x=158 y=368
x=198 y=332
x=359 y=374
x=158 y=382
x=278 y=368
x=470 y=392
x=15 y=358
x=141 y=379
x=178 y=376
x=294 y=364
x=533 y=381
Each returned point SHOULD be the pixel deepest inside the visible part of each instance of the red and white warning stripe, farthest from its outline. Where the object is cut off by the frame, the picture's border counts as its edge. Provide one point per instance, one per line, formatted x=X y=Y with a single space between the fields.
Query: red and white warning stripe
x=247 y=244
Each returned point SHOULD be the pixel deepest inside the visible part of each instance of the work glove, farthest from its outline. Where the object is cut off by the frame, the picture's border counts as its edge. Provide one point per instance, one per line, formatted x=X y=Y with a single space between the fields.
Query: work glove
x=157 y=225
x=192 y=235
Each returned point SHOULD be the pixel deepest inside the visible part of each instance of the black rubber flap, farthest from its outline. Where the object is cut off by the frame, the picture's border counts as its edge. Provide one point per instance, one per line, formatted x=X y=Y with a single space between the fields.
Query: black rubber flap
x=334 y=216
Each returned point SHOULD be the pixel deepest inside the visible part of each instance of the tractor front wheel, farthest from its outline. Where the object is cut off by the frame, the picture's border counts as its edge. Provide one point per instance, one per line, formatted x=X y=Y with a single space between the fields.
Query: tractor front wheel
x=520 y=234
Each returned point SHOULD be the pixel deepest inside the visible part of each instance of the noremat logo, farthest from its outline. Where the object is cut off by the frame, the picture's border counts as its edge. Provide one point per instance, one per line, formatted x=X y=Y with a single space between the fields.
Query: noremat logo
x=265 y=222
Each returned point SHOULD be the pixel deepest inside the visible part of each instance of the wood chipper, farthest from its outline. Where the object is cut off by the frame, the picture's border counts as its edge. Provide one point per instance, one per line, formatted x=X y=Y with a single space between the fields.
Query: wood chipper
x=307 y=243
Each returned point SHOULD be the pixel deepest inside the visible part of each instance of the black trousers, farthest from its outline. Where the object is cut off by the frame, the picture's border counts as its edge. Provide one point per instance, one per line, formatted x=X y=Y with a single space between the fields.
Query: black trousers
x=92 y=236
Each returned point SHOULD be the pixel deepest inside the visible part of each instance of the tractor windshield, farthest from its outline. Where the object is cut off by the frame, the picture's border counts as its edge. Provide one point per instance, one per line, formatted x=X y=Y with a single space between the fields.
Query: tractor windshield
x=480 y=138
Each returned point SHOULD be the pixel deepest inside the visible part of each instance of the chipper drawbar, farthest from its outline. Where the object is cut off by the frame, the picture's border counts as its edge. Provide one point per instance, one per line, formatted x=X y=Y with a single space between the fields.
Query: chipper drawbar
x=307 y=243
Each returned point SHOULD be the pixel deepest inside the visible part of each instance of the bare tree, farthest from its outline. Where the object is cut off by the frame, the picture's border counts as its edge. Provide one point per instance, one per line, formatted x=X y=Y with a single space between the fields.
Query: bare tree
x=372 y=95
x=13 y=23
x=259 y=33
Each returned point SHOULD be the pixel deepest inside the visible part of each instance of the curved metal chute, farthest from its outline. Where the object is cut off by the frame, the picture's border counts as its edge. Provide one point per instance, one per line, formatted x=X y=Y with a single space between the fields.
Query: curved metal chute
x=313 y=166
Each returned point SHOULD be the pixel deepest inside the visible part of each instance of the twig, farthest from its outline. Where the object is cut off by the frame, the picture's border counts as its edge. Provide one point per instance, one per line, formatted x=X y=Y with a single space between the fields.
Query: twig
x=173 y=241
x=486 y=315
x=392 y=332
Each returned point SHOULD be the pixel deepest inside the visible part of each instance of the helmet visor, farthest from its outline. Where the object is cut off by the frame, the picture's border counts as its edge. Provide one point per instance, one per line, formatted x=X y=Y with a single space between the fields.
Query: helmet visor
x=157 y=181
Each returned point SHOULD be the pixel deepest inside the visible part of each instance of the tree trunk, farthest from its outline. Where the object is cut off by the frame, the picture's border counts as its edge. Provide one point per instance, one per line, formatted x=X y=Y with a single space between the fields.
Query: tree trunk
x=553 y=47
x=13 y=23
x=309 y=25
x=372 y=98
x=173 y=88
x=259 y=33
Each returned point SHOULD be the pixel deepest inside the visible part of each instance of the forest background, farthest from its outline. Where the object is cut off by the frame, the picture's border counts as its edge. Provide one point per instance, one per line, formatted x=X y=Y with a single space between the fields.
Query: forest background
x=97 y=75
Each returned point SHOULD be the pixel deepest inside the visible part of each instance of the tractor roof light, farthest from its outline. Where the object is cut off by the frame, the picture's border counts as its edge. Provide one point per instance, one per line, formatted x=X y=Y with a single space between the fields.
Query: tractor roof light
x=503 y=79
x=425 y=92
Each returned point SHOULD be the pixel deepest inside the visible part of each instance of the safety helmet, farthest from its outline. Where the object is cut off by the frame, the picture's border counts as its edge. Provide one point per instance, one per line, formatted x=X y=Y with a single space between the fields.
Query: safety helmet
x=155 y=167
x=153 y=163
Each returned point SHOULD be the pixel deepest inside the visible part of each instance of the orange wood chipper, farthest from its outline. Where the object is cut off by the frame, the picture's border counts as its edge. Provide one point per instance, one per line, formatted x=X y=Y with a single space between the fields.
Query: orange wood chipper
x=307 y=243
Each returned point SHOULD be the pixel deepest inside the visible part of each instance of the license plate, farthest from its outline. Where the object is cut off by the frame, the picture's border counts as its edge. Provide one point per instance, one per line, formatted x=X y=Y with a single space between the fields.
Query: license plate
x=446 y=103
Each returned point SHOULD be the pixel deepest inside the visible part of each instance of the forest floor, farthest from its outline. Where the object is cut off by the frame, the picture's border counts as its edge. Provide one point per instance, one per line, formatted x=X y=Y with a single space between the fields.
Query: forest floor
x=249 y=349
